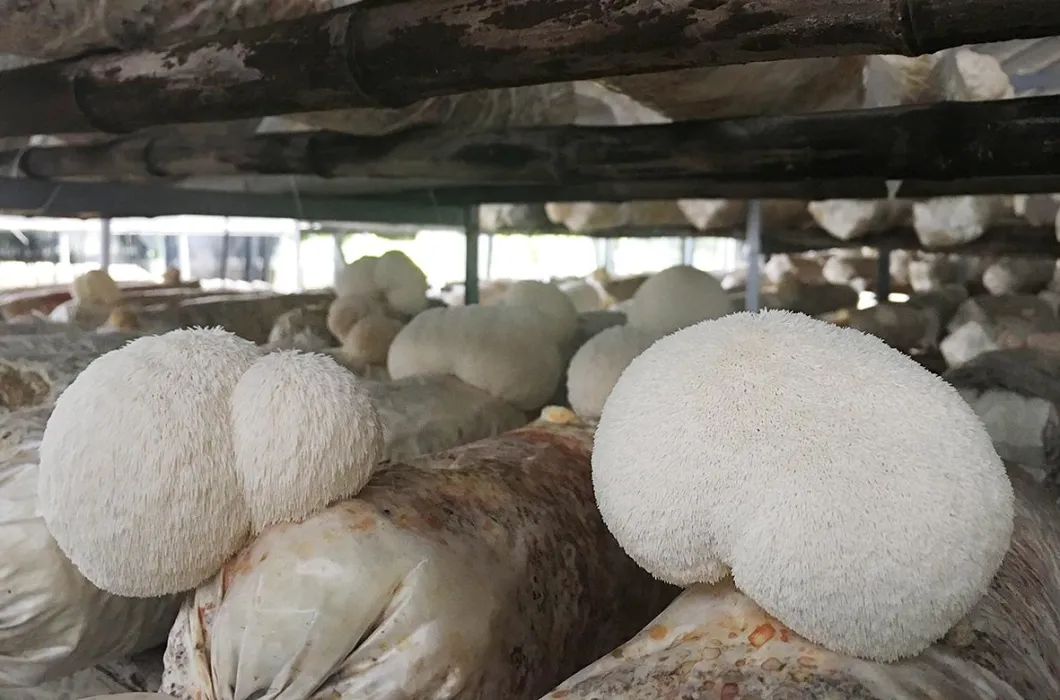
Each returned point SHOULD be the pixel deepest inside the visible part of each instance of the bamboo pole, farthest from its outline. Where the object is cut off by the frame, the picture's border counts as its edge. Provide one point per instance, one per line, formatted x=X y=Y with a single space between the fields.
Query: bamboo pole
x=1006 y=146
x=392 y=54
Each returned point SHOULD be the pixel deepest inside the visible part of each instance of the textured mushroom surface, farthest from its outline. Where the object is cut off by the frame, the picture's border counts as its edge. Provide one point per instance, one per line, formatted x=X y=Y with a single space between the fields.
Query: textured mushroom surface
x=877 y=526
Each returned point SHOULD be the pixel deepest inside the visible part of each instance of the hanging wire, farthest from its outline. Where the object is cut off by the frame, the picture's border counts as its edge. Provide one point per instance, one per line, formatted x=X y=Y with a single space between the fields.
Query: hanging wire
x=17 y=174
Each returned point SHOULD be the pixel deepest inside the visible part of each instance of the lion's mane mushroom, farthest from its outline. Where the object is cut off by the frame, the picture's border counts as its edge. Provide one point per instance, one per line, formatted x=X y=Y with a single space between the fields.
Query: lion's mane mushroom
x=391 y=277
x=675 y=298
x=164 y=456
x=598 y=364
x=345 y=312
x=322 y=439
x=557 y=310
x=368 y=341
x=96 y=287
x=93 y=295
x=852 y=494
x=498 y=349
x=137 y=482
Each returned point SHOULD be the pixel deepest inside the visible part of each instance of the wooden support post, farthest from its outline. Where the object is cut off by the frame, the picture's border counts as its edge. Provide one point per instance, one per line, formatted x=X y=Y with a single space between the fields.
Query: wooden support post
x=883 y=274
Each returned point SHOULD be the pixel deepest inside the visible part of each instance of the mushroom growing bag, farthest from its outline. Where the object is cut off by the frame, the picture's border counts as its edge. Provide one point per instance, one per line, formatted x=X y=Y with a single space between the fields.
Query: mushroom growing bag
x=715 y=642
x=53 y=622
x=428 y=414
x=483 y=573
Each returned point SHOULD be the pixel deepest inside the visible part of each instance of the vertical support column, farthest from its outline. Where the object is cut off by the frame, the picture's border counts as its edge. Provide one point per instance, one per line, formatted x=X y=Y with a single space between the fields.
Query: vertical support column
x=609 y=255
x=688 y=250
x=226 y=252
x=104 y=244
x=248 y=258
x=299 y=280
x=601 y=252
x=65 y=255
x=339 y=256
x=753 y=254
x=184 y=256
x=172 y=253
x=883 y=275
x=471 y=236
x=489 y=256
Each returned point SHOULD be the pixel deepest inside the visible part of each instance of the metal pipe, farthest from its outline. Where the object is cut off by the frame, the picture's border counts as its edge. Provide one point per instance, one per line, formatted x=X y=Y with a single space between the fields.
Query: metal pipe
x=104 y=244
x=753 y=254
x=471 y=239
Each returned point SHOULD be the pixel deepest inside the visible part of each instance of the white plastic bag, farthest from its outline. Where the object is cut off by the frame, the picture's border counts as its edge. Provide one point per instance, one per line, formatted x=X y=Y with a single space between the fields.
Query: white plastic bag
x=133 y=696
x=138 y=673
x=714 y=642
x=588 y=217
x=729 y=214
x=52 y=621
x=849 y=219
x=483 y=573
x=422 y=415
x=952 y=221
x=1017 y=424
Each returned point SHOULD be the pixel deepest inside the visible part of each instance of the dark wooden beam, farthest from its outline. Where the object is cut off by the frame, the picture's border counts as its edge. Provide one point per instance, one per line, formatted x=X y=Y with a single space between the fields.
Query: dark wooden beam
x=715 y=188
x=393 y=53
x=1013 y=239
x=94 y=200
x=1006 y=146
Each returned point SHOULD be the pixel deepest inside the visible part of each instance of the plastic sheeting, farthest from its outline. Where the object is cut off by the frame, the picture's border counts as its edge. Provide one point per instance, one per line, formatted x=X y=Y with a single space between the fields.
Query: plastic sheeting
x=481 y=573
x=729 y=214
x=132 y=696
x=1017 y=395
x=987 y=323
x=952 y=221
x=889 y=81
x=422 y=415
x=849 y=219
x=588 y=217
x=776 y=87
x=714 y=642
x=524 y=218
x=52 y=621
x=304 y=328
x=251 y=316
x=1018 y=425
x=715 y=639
x=901 y=326
x=551 y=104
x=138 y=673
x=1018 y=275
x=899 y=80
